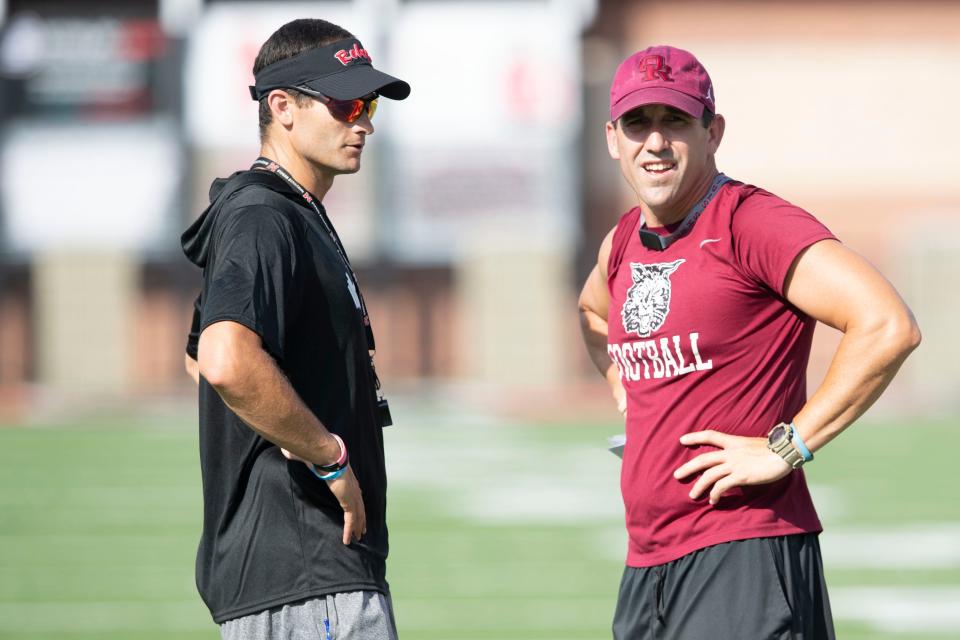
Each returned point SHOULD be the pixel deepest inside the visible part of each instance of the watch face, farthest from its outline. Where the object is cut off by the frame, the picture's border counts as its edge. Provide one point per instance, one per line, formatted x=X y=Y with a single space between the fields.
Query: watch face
x=777 y=434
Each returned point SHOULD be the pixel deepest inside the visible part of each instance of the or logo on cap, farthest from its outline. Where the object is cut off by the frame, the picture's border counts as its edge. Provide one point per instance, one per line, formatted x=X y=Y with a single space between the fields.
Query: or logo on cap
x=656 y=68
x=661 y=75
x=346 y=56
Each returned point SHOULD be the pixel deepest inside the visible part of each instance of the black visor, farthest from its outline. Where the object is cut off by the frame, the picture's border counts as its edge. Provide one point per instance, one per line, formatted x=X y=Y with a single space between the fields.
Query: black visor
x=342 y=70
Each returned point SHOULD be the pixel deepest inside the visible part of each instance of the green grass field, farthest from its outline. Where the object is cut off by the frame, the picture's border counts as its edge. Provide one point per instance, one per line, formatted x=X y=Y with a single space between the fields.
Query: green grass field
x=507 y=531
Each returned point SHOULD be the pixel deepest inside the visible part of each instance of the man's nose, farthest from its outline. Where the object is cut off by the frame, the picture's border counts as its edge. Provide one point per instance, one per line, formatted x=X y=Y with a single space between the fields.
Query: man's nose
x=655 y=141
x=364 y=123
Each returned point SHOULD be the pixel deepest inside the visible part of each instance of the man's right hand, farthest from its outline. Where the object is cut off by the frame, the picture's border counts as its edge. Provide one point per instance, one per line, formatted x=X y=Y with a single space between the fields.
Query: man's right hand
x=348 y=494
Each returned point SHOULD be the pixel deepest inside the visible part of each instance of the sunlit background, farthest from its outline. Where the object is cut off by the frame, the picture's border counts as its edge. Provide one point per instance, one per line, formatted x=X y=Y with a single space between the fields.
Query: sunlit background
x=478 y=213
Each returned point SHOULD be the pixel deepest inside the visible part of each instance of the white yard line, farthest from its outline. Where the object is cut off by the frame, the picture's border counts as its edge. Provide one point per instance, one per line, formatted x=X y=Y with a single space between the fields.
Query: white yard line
x=495 y=474
x=915 y=546
x=900 y=609
x=91 y=617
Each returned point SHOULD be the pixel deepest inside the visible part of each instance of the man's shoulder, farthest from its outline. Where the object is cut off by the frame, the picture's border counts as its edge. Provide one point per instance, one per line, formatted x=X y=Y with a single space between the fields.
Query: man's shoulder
x=623 y=230
x=751 y=205
x=255 y=204
x=258 y=189
x=616 y=242
x=750 y=197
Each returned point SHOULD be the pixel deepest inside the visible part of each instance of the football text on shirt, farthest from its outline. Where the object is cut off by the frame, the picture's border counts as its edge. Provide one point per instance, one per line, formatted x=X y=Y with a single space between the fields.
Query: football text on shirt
x=662 y=358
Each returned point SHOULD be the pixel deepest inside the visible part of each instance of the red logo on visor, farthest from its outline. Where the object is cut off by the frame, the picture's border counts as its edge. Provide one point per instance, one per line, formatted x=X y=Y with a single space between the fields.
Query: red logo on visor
x=655 y=68
x=346 y=56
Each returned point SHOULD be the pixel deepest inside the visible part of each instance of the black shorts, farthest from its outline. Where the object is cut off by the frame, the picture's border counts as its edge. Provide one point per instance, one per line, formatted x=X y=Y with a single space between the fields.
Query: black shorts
x=757 y=589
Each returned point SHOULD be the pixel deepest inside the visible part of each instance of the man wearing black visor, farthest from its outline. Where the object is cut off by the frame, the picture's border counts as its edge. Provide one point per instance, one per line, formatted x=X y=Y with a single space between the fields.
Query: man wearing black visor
x=294 y=538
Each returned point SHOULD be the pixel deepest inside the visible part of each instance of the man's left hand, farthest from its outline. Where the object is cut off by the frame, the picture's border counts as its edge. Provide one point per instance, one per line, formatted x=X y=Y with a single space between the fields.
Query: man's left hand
x=741 y=461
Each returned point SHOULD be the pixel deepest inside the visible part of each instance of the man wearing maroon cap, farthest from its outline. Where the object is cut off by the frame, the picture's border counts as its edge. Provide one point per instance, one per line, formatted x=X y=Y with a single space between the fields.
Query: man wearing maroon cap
x=700 y=314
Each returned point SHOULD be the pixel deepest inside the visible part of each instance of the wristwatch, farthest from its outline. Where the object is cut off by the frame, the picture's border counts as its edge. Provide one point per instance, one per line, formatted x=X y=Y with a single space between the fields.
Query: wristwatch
x=780 y=441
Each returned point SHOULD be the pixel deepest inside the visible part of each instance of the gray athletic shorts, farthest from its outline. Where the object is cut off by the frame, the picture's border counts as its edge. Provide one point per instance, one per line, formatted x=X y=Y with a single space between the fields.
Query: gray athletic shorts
x=355 y=615
x=758 y=589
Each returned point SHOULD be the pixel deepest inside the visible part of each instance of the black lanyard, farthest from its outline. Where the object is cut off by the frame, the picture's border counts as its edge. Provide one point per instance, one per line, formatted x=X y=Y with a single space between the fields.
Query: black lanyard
x=657 y=242
x=266 y=164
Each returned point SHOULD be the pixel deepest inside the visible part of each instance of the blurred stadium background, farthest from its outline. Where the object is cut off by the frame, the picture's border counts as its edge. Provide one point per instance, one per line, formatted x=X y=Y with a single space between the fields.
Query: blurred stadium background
x=480 y=209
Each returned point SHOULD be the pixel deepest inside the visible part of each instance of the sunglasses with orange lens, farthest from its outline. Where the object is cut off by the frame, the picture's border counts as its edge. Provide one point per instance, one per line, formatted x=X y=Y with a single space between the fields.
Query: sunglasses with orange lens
x=348 y=111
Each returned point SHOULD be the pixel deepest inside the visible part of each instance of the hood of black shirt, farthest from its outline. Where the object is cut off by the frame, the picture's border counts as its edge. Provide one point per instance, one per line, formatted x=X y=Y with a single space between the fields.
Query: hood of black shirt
x=197 y=239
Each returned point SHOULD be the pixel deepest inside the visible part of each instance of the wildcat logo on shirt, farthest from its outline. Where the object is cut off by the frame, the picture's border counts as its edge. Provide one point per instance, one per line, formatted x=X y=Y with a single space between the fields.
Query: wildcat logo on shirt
x=648 y=299
x=644 y=312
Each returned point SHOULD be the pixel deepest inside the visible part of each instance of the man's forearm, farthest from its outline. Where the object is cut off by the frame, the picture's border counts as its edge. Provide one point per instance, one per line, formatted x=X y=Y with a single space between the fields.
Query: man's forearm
x=594 y=330
x=264 y=399
x=866 y=361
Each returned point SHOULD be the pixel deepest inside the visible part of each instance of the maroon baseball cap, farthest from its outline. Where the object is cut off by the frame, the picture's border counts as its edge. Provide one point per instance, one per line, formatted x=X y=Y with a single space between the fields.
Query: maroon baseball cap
x=661 y=75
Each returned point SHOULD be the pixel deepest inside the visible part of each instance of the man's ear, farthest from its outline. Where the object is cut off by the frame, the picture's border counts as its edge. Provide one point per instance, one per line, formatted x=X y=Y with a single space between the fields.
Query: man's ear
x=612 y=146
x=281 y=106
x=716 y=130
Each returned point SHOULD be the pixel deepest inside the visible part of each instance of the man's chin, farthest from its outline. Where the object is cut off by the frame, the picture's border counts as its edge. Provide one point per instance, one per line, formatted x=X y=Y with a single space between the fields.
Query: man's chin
x=347 y=169
x=656 y=197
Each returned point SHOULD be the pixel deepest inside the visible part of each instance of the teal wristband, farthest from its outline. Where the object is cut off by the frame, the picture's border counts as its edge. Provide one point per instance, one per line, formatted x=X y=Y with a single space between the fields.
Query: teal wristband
x=800 y=444
x=333 y=475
